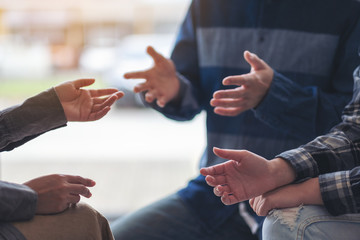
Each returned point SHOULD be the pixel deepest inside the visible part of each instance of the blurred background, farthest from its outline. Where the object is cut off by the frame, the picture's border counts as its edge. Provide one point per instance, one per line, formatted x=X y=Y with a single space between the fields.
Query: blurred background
x=135 y=155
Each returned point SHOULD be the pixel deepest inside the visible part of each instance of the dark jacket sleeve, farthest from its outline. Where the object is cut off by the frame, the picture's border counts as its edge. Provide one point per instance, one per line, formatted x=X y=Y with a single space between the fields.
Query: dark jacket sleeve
x=38 y=114
x=18 y=125
x=17 y=202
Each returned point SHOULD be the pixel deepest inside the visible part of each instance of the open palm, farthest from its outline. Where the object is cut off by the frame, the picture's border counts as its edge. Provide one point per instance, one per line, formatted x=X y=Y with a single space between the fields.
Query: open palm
x=85 y=104
x=244 y=176
x=161 y=83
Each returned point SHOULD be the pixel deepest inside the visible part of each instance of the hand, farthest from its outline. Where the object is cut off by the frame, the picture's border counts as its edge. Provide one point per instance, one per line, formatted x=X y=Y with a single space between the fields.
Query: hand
x=85 y=104
x=252 y=88
x=57 y=192
x=283 y=197
x=246 y=175
x=161 y=82
x=288 y=196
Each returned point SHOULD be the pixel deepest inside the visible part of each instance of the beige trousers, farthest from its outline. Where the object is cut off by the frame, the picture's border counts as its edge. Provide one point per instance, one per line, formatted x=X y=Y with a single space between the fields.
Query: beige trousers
x=80 y=222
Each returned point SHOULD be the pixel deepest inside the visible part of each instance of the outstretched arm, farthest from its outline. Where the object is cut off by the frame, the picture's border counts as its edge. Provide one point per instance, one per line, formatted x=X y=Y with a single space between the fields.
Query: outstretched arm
x=85 y=104
x=245 y=175
x=51 y=109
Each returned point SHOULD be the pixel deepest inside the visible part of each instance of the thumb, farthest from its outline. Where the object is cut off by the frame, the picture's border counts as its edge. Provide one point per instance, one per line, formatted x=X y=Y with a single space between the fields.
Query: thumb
x=157 y=57
x=83 y=82
x=228 y=154
x=255 y=62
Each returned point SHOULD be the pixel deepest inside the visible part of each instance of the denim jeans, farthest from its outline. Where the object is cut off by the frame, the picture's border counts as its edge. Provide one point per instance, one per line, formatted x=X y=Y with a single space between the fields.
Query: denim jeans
x=170 y=219
x=310 y=222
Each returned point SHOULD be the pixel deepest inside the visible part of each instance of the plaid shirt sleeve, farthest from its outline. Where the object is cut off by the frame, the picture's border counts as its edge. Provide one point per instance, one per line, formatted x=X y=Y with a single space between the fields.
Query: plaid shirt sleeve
x=335 y=159
x=337 y=193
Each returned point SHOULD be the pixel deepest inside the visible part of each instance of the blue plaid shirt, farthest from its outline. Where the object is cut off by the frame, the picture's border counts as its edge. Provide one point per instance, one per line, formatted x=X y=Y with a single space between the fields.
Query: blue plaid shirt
x=335 y=159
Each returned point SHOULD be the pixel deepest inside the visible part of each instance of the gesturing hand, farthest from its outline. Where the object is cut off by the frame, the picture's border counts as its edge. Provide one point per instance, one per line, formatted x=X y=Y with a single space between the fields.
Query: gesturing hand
x=161 y=82
x=252 y=88
x=57 y=192
x=246 y=175
x=85 y=104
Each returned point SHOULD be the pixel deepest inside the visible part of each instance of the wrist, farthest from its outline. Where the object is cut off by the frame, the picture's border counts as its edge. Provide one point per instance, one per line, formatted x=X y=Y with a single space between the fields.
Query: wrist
x=310 y=190
x=282 y=171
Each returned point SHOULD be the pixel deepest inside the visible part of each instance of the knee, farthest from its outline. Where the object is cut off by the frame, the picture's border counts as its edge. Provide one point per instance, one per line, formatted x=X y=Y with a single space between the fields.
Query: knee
x=84 y=213
x=281 y=224
x=91 y=221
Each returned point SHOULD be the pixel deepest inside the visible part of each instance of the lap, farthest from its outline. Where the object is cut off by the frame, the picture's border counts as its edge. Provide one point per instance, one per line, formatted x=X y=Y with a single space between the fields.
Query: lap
x=310 y=222
x=76 y=223
x=169 y=218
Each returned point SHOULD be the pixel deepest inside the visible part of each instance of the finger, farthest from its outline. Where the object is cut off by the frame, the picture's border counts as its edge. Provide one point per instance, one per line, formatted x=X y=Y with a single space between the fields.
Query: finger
x=79 y=189
x=229 y=199
x=255 y=62
x=229 y=112
x=214 y=170
x=218 y=191
x=99 y=100
x=262 y=211
x=229 y=154
x=101 y=103
x=135 y=75
x=149 y=97
x=258 y=206
x=230 y=93
x=210 y=180
x=213 y=181
x=119 y=94
x=83 y=82
x=73 y=198
x=157 y=57
x=80 y=180
x=99 y=114
x=227 y=102
x=161 y=101
x=251 y=202
x=141 y=87
x=224 y=189
x=236 y=80
x=102 y=92
x=207 y=171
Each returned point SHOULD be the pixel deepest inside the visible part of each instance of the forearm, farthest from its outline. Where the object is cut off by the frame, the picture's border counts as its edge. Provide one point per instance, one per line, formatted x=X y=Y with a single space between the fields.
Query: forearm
x=282 y=172
x=333 y=152
x=293 y=195
x=316 y=110
x=306 y=193
x=17 y=202
x=36 y=115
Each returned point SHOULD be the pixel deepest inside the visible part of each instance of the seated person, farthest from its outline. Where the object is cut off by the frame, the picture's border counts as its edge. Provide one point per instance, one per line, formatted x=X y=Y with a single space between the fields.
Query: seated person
x=46 y=207
x=312 y=192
